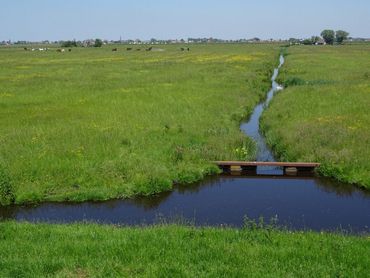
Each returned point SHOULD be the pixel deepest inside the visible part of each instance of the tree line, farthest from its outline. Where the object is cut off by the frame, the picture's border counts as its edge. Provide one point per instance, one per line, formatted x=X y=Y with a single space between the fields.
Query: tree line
x=331 y=36
x=97 y=43
x=328 y=36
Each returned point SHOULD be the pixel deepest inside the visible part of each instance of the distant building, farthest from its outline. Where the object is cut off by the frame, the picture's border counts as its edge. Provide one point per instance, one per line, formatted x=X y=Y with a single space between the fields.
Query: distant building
x=87 y=43
x=320 y=42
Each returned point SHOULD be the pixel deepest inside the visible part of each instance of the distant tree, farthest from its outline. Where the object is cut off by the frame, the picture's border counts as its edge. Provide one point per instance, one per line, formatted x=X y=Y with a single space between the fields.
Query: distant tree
x=294 y=41
x=98 y=43
x=69 y=44
x=307 y=42
x=315 y=39
x=328 y=36
x=340 y=36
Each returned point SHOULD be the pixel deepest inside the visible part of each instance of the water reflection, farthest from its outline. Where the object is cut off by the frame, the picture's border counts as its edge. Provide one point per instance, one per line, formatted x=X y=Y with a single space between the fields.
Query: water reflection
x=340 y=189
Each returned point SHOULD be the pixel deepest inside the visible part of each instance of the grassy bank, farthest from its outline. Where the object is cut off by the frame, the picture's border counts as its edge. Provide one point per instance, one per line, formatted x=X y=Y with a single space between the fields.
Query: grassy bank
x=89 y=250
x=323 y=115
x=97 y=124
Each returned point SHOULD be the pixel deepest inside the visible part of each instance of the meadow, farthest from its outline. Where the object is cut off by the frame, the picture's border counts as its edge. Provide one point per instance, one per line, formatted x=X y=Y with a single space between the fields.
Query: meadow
x=323 y=115
x=92 y=124
x=91 y=250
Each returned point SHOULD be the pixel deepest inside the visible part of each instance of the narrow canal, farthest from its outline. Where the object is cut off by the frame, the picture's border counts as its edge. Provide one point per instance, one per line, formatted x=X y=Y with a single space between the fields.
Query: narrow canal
x=251 y=127
x=296 y=202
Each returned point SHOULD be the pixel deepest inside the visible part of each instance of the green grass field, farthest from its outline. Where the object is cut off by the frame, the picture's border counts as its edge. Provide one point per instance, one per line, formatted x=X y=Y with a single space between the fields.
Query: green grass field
x=96 y=124
x=89 y=250
x=324 y=113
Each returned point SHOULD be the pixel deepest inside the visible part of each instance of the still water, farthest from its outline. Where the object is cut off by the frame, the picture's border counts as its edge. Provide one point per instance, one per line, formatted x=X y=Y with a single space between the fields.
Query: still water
x=298 y=203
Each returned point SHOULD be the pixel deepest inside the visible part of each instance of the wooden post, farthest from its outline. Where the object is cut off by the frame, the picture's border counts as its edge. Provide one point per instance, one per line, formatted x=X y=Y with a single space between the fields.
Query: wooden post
x=290 y=171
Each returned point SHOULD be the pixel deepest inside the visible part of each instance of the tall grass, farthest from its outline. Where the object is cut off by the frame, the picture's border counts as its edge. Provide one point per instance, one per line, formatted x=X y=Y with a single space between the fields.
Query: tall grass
x=97 y=124
x=6 y=188
x=323 y=115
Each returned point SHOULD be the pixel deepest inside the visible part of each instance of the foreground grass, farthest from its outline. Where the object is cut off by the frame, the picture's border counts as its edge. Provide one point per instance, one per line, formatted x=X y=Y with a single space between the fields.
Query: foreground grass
x=97 y=124
x=89 y=250
x=323 y=115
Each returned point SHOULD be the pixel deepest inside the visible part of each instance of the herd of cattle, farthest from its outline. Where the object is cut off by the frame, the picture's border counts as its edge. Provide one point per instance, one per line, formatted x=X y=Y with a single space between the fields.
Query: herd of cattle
x=114 y=49
x=36 y=49
x=148 y=49
x=45 y=49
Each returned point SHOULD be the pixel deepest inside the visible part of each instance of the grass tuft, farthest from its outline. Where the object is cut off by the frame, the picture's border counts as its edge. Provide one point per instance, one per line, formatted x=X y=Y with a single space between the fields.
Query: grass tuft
x=7 y=195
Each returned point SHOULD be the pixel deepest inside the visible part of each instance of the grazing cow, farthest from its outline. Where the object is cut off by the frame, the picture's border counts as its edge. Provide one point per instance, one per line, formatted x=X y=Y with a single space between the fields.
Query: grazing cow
x=138 y=49
x=69 y=50
x=129 y=48
x=60 y=50
x=149 y=49
x=182 y=49
x=188 y=49
x=25 y=48
x=114 y=49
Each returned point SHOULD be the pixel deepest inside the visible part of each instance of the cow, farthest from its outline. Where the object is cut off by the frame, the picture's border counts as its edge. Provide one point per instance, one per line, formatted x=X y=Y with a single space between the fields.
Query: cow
x=25 y=48
x=129 y=48
x=114 y=49
x=138 y=49
x=69 y=50
x=182 y=49
x=60 y=50
x=149 y=49
x=188 y=49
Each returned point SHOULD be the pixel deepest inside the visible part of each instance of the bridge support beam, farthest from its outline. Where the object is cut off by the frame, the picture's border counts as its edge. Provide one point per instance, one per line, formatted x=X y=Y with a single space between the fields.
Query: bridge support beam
x=294 y=171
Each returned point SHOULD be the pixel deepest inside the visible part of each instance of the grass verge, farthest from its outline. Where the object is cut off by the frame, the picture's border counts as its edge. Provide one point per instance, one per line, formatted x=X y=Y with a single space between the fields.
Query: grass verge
x=90 y=250
x=323 y=114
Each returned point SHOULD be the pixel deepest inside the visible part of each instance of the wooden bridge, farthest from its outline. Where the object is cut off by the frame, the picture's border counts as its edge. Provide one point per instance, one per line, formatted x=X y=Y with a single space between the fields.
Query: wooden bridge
x=250 y=167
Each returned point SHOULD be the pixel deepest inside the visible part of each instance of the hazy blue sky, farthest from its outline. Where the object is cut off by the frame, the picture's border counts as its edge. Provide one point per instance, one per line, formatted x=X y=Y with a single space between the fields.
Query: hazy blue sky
x=144 y=19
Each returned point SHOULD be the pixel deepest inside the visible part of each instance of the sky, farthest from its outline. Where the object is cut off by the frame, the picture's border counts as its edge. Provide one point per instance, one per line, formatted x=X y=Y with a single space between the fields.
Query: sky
x=36 y=20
